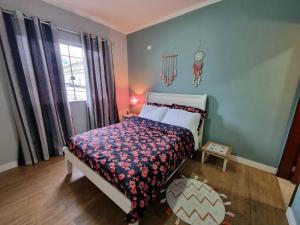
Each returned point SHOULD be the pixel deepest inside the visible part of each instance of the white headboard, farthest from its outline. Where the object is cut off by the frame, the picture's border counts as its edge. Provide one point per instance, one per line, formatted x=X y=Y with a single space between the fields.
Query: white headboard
x=198 y=101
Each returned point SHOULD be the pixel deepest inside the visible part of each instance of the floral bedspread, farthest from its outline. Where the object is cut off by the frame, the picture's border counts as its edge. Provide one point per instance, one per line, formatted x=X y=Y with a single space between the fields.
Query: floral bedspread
x=136 y=156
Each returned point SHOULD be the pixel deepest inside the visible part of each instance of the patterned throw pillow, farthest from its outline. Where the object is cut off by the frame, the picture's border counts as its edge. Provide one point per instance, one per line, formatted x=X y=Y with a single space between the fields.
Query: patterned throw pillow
x=202 y=113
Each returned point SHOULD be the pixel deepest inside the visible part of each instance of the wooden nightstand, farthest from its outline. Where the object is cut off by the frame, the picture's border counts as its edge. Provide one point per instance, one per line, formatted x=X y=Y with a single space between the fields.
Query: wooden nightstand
x=218 y=150
x=126 y=116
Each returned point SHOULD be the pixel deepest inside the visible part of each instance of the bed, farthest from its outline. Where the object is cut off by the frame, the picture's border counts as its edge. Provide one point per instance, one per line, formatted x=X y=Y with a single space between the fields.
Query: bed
x=130 y=161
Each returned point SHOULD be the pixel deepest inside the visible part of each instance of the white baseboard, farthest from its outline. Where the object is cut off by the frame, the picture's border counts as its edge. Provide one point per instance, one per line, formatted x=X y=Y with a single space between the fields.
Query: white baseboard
x=254 y=164
x=290 y=216
x=8 y=166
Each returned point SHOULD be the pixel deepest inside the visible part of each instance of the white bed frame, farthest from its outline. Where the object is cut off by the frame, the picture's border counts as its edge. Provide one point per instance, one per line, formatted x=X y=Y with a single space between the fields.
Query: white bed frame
x=113 y=193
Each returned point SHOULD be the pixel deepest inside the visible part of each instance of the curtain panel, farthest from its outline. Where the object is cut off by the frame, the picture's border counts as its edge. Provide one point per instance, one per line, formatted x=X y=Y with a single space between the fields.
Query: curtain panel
x=36 y=86
x=101 y=96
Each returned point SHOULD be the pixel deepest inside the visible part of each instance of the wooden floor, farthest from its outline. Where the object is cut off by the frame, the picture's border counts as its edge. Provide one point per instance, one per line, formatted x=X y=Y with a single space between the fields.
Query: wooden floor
x=43 y=194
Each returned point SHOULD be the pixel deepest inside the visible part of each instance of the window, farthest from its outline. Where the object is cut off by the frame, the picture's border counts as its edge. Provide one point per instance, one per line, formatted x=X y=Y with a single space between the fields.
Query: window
x=74 y=71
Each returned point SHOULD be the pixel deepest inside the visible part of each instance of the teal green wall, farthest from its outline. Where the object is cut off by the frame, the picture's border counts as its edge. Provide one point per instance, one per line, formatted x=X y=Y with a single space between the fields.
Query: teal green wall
x=296 y=206
x=251 y=69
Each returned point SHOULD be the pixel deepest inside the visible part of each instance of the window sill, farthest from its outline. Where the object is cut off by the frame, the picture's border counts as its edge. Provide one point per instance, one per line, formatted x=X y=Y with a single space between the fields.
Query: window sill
x=77 y=101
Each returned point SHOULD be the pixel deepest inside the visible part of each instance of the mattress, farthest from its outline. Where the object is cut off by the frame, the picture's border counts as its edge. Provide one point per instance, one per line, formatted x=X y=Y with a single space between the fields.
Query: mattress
x=136 y=156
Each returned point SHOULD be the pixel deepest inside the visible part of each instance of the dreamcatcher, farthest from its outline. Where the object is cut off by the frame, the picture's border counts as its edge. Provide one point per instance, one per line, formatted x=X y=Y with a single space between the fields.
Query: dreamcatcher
x=168 y=68
x=198 y=67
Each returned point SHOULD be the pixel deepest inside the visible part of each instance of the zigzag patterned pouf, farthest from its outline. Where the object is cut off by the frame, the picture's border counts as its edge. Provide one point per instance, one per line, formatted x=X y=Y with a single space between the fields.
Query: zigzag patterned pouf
x=195 y=203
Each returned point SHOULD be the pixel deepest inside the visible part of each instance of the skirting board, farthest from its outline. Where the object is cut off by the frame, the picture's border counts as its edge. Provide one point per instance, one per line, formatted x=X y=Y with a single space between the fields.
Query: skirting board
x=254 y=164
x=290 y=216
x=8 y=166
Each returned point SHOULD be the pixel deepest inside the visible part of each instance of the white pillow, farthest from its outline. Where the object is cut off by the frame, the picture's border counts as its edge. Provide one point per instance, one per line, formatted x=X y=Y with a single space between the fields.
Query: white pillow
x=182 y=118
x=153 y=112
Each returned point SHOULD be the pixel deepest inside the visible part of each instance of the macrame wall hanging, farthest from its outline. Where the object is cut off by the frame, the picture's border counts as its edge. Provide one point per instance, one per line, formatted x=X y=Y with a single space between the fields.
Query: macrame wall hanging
x=168 y=68
x=198 y=67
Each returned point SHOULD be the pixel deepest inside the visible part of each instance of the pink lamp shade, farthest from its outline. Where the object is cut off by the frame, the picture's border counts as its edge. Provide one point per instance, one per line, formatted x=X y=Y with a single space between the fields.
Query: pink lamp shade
x=133 y=100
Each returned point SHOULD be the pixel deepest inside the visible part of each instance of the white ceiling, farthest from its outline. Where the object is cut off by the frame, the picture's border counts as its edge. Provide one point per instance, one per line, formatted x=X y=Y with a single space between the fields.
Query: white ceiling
x=128 y=16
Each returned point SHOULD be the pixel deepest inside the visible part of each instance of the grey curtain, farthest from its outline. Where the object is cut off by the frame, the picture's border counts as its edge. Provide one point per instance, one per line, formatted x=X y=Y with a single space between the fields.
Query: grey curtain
x=36 y=86
x=101 y=94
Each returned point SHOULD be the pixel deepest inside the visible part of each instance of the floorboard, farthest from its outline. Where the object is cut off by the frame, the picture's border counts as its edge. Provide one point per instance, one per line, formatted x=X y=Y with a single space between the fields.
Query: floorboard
x=44 y=195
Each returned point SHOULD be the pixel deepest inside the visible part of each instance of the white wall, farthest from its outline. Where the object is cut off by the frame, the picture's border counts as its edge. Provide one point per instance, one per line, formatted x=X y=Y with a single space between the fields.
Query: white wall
x=79 y=115
x=77 y=23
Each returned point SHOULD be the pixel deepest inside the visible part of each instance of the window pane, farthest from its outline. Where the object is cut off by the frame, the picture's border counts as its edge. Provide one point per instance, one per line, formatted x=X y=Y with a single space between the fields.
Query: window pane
x=67 y=70
x=64 y=49
x=68 y=80
x=66 y=64
x=79 y=79
x=65 y=60
x=75 y=51
x=80 y=93
x=71 y=96
x=70 y=87
x=77 y=64
x=74 y=72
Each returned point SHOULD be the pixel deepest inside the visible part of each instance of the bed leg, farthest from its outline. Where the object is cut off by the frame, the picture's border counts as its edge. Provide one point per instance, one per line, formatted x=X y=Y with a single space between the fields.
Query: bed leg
x=68 y=166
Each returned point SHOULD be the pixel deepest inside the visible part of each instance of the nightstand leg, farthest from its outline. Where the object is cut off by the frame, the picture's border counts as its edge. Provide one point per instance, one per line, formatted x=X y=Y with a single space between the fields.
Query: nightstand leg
x=224 y=164
x=203 y=156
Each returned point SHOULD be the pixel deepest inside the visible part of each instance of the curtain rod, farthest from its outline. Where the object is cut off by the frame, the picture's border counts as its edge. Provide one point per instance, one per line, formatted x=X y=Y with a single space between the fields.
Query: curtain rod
x=58 y=27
